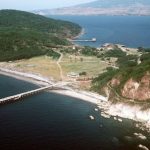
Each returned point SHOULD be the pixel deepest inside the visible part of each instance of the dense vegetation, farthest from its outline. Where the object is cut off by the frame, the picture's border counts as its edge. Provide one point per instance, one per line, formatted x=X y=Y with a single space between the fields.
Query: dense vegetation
x=24 y=35
x=114 y=53
x=128 y=68
x=142 y=49
x=99 y=82
x=127 y=61
x=25 y=20
x=89 y=51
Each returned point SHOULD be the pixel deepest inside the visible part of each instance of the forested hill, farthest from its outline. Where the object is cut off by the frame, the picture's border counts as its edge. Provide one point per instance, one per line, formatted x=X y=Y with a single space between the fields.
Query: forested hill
x=26 y=20
x=23 y=34
x=129 y=78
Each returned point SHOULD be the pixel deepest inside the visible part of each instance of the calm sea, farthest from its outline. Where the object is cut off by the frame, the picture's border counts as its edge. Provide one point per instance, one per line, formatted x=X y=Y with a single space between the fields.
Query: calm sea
x=49 y=121
x=132 y=31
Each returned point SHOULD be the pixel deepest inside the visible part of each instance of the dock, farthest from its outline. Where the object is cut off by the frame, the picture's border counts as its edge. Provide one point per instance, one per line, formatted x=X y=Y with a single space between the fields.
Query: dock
x=84 y=40
x=29 y=93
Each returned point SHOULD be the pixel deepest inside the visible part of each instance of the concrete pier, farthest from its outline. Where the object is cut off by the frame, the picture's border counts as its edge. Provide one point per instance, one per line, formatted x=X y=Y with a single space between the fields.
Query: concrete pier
x=25 y=94
x=84 y=40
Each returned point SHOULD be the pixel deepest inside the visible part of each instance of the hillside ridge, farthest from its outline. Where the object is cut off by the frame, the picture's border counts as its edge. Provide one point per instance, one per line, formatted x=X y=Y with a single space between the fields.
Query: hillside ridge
x=24 y=34
x=103 y=7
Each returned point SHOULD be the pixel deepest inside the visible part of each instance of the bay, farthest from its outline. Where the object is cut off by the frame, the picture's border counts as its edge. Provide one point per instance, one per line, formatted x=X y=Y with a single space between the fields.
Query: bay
x=132 y=31
x=51 y=121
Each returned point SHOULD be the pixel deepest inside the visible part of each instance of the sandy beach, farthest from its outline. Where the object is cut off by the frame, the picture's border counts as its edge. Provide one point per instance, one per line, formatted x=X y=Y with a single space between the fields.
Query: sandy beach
x=41 y=81
x=117 y=110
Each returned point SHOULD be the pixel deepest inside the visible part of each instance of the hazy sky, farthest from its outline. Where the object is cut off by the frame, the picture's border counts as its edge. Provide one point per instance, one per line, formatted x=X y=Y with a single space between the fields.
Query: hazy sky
x=38 y=4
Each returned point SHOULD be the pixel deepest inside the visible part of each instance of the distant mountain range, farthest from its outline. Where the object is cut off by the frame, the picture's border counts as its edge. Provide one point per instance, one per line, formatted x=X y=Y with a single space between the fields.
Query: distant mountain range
x=103 y=7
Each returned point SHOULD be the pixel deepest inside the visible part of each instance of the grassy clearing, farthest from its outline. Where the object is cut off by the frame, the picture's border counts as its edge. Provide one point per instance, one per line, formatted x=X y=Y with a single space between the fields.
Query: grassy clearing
x=47 y=67
x=92 y=65
x=43 y=65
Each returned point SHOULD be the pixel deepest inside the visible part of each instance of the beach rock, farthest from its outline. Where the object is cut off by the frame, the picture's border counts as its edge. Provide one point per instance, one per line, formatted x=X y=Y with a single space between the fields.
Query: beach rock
x=91 y=117
x=115 y=141
x=101 y=125
x=129 y=138
x=120 y=120
x=142 y=147
x=115 y=118
x=105 y=115
x=96 y=109
x=140 y=136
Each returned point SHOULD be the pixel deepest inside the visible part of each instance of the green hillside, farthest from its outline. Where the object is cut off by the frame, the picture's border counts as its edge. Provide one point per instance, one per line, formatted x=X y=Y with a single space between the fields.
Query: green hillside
x=128 y=67
x=24 y=35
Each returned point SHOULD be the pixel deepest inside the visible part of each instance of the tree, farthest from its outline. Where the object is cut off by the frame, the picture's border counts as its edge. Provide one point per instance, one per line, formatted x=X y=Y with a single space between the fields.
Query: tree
x=83 y=73
x=140 y=49
x=81 y=59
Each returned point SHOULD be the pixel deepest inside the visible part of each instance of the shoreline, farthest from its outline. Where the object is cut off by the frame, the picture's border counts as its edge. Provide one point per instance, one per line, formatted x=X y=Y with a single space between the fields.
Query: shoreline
x=31 y=78
x=41 y=81
x=80 y=34
x=108 y=109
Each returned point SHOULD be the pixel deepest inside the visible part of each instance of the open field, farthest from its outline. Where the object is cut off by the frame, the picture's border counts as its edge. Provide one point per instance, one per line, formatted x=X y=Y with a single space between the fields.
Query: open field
x=48 y=67
x=91 y=65
x=42 y=65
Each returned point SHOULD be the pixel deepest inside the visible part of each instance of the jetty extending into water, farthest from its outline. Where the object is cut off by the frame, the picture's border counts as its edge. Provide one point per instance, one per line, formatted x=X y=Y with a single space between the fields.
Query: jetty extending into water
x=84 y=40
x=29 y=93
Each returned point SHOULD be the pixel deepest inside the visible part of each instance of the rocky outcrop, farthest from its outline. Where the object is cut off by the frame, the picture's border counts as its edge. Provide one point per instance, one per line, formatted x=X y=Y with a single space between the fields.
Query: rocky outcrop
x=114 y=82
x=132 y=111
x=132 y=89
x=137 y=90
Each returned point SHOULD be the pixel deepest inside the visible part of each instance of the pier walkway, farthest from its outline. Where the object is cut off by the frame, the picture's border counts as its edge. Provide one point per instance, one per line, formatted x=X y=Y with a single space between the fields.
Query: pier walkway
x=84 y=40
x=32 y=92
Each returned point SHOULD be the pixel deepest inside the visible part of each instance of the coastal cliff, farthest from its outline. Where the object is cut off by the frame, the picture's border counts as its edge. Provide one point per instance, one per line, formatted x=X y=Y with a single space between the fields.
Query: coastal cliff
x=128 y=80
x=132 y=101
x=132 y=89
x=137 y=90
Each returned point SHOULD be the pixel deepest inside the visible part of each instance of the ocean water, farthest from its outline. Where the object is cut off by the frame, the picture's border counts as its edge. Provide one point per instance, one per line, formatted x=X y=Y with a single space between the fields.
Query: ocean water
x=132 y=31
x=49 y=121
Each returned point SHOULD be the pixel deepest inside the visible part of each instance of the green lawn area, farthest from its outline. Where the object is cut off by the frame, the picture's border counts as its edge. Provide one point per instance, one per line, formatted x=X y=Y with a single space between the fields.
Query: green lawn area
x=47 y=67
x=43 y=65
x=92 y=65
